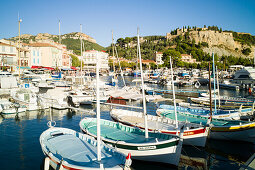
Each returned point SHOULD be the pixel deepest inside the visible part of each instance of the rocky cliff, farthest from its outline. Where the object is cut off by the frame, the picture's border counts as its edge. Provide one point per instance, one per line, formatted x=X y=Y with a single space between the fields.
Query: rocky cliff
x=222 y=43
x=45 y=36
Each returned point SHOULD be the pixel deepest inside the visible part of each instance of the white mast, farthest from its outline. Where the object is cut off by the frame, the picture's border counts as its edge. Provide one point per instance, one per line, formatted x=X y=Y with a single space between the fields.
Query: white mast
x=121 y=72
x=98 y=114
x=113 y=79
x=144 y=102
x=254 y=57
x=175 y=112
x=81 y=48
x=214 y=86
x=19 y=20
x=217 y=74
x=59 y=37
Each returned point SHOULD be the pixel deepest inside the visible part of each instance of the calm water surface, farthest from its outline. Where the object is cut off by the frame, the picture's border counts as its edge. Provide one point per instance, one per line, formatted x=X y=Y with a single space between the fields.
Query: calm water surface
x=20 y=147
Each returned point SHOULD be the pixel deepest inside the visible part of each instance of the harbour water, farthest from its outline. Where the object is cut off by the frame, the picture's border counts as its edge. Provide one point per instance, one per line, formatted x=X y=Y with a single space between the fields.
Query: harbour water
x=20 y=148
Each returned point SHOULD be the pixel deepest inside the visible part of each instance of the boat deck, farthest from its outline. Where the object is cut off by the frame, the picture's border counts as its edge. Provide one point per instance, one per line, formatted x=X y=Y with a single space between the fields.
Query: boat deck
x=153 y=125
x=76 y=151
x=119 y=134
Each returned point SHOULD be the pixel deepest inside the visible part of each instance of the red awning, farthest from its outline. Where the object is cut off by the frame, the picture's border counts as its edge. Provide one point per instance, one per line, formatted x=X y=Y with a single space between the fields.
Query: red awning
x=33 y=67
x=48 y=68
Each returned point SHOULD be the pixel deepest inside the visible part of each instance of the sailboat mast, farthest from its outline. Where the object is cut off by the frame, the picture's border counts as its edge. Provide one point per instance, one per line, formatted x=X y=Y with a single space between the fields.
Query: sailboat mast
x=59 y=38
x=210 y=94
x=217 y=75
x=175 y=112
x=121 y=72
x=144 y=102
x=81 y=47
x=214 y=86
x=113 y=61
x=19 y=47
x=98 y=112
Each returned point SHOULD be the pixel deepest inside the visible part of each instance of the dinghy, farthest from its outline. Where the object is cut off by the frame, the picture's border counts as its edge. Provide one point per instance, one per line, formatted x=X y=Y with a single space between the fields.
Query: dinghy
x=69 y=149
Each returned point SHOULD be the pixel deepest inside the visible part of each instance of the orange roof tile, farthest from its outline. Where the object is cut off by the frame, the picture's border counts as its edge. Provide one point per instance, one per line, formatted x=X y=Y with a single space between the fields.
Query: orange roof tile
x=1 y=43
x=41 y=45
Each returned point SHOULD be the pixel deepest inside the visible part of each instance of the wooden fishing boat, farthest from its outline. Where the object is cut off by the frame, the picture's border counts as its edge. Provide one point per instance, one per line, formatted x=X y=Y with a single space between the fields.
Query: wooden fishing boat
x=69 y=149
x=223 y=100
x=194 y=134
x=164 y=148
x=205 y=112
x=220 y=128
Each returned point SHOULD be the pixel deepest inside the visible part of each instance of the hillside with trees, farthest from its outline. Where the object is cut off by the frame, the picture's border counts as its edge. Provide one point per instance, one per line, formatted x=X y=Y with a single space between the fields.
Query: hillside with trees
x=71 y=40
x=229 y=47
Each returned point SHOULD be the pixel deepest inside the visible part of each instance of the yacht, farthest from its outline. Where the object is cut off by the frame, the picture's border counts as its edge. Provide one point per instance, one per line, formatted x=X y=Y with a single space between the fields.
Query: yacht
x=244 y=76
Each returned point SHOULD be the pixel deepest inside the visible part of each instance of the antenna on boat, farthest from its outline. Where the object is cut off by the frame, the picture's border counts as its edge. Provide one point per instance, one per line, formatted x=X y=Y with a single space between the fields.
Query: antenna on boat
x=98 y=113
x=175 y=112
x=144 y=102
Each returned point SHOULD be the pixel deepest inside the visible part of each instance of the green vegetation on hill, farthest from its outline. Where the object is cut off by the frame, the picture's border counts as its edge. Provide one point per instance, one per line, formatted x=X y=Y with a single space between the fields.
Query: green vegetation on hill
x=127 y=47
x=181 y=44
x=71 y=44
x=75 y=45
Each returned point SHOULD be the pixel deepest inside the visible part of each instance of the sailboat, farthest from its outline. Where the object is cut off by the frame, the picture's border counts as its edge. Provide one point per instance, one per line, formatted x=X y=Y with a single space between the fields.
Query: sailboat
x=144 y=145
x=67 y=149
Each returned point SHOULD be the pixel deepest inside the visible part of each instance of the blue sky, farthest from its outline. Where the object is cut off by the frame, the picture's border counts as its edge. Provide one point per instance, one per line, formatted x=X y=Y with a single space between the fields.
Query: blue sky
x=99 y=17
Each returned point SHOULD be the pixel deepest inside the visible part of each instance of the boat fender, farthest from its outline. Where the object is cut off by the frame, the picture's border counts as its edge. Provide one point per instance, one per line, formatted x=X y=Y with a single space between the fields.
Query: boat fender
x=128 y=161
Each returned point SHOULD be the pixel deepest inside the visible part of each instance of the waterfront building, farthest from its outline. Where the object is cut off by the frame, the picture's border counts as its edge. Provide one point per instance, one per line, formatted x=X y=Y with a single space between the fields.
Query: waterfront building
x=8 y=54
x=89 y=59
x=46 y=55
x=158 y=58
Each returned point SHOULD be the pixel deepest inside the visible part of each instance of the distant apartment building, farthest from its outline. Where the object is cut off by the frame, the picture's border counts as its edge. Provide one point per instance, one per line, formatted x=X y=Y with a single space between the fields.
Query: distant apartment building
x=158 y=58
x=8 y=54
x=187 y=58
x=89 y=59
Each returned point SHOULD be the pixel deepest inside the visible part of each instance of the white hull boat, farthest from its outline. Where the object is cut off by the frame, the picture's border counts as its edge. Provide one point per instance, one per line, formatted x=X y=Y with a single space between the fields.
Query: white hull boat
x=66 y=149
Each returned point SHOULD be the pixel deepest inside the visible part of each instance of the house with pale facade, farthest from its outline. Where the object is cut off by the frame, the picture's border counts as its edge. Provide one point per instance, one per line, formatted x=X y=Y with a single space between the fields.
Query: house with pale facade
x=46 y=55
x=89 y=59
x=187 y=58
x=158 y=58
x=8 y=54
